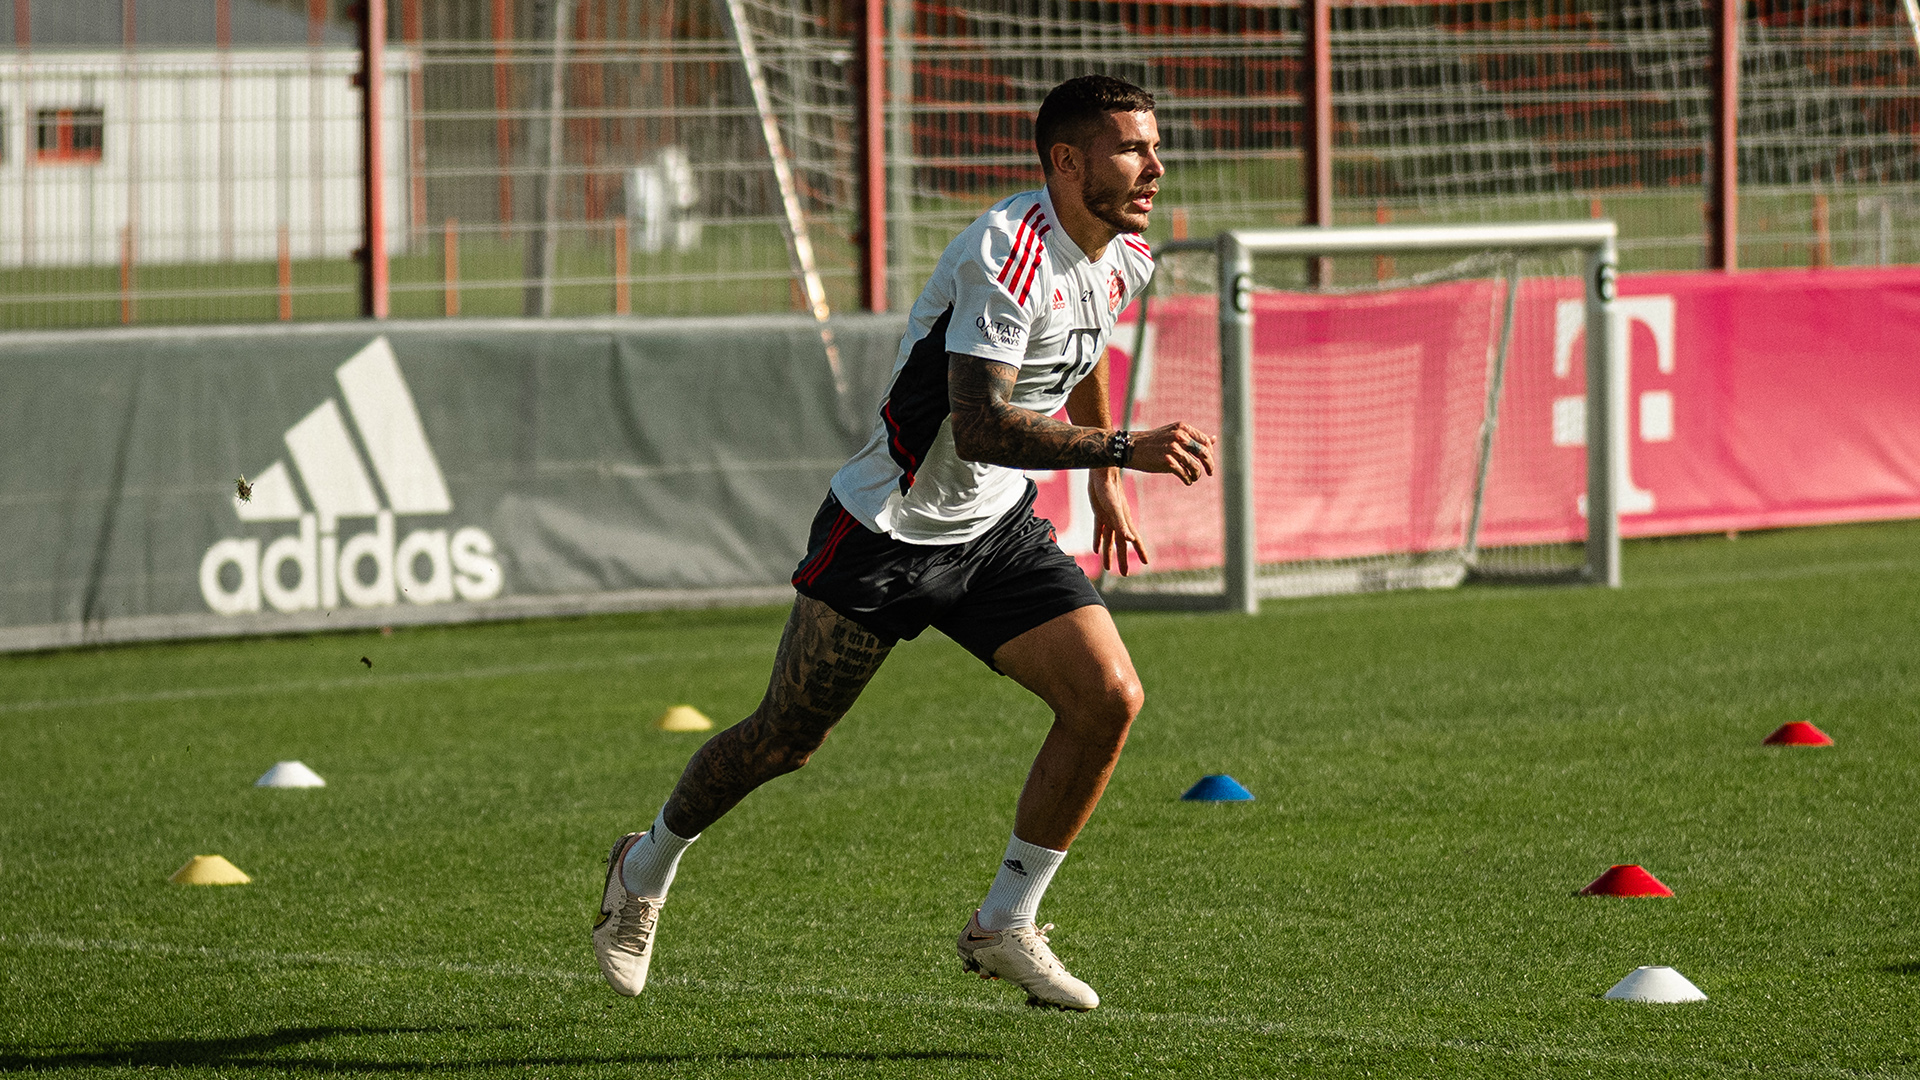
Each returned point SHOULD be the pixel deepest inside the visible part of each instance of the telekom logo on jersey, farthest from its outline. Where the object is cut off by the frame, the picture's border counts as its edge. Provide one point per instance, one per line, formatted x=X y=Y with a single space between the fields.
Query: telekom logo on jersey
x=312 y=568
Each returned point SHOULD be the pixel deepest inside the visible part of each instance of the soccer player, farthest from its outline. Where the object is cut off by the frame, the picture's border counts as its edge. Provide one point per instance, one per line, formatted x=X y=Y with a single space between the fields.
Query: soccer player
x=932 y=524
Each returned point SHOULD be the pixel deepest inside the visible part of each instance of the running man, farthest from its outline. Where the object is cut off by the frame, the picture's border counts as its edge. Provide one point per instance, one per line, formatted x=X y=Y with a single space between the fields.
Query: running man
x=932 y=524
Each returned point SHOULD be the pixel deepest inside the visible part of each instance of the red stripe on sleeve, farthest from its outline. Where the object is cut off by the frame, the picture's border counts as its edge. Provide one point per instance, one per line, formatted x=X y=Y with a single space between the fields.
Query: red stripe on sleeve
x=1026 y=286
x=1019 y=238
x=893 y=431
x=1029 y=250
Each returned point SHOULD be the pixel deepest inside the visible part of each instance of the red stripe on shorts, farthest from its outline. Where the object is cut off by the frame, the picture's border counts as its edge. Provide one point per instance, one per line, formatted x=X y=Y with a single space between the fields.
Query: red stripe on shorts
x=811 y=571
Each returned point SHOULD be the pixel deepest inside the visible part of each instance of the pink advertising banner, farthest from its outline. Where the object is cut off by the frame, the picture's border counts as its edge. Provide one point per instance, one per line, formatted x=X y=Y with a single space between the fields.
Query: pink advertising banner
x=1793 y=395
x=1751 y=400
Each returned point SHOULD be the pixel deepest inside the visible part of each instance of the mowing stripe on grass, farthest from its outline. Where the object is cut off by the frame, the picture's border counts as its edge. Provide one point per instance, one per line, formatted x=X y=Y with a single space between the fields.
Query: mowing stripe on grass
x=1783 y=573
x=365 y=682
x=510 y=670
x=267 y=957
x=1111 y=1014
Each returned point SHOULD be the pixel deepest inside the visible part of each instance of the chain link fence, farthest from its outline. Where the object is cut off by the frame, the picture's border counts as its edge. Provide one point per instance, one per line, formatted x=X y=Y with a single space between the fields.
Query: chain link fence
x=214 y=176
x=200 y=163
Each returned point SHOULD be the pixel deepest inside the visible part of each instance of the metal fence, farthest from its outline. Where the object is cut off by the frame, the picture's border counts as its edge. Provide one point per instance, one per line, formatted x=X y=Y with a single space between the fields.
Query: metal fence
x=1445 y=112
x=662 y=157
x=612 y=157
x=180 y=186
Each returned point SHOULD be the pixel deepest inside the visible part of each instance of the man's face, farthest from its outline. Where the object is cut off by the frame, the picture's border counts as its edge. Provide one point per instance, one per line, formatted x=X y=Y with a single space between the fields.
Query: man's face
x=1123 y=171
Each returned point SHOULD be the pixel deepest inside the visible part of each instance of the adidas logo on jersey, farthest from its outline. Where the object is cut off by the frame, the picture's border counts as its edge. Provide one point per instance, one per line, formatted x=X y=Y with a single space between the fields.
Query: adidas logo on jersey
x=1059 y=300
x=313 y=568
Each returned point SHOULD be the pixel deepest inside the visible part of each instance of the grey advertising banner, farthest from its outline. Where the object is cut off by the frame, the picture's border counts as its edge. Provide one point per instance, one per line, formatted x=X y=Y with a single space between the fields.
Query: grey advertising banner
x=415 y=472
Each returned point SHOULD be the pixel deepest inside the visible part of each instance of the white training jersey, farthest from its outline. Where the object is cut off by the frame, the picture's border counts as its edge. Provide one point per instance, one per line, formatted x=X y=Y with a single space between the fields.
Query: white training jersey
x=1015 y=288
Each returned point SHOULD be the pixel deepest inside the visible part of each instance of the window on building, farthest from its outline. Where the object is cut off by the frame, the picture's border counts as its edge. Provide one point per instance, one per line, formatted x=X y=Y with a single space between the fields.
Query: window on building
x=71 y=135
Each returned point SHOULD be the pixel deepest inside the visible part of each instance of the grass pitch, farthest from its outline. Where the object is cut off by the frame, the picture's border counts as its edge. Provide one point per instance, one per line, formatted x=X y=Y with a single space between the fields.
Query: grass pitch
x=1436 y=774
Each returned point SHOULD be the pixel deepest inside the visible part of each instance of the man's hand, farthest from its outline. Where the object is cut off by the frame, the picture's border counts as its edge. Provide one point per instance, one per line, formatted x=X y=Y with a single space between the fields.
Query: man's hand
x=1113 y=527
x=1180 y=449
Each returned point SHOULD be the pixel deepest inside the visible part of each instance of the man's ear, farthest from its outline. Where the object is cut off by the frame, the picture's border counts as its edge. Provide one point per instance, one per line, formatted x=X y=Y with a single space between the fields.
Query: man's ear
x=1065 y=157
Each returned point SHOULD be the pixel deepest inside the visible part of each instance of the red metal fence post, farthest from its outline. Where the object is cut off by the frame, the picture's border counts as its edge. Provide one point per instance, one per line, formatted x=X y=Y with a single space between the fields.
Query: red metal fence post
x=413 y=31
x=373 y=165
x=1316 y=114
x=622 y=268
x=873 y=156
x=1723 y=154
x=450 y=267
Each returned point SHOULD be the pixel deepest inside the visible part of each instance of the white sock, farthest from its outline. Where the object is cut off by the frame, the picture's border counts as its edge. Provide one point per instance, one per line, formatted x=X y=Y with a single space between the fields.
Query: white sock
x=652 y=861
x=1014 y=899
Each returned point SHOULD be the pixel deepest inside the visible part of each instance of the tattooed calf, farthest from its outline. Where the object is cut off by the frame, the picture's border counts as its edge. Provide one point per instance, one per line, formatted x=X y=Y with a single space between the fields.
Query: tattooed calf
x=824 y=661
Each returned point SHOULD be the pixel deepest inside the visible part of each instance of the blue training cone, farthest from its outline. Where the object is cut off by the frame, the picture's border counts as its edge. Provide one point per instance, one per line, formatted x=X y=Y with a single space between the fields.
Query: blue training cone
x=1218 y=787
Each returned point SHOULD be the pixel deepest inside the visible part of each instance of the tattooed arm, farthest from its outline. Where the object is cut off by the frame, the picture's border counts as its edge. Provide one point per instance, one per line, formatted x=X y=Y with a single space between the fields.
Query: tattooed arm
x=989 y=428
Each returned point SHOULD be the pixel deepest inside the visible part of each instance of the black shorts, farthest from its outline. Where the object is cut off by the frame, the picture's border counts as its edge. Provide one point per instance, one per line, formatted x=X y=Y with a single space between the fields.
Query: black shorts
x=982 y=594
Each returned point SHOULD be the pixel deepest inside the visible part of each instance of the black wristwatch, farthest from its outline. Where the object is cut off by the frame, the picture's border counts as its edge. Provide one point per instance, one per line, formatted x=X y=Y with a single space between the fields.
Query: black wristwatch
x=1120 y=448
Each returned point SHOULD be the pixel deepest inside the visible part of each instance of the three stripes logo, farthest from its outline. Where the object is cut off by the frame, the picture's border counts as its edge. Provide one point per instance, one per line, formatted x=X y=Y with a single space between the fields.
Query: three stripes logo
x=1029 y=249
x=313 y=568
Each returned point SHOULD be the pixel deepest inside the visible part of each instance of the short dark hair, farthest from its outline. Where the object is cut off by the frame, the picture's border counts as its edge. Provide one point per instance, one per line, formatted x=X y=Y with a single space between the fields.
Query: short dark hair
x=1075 y=107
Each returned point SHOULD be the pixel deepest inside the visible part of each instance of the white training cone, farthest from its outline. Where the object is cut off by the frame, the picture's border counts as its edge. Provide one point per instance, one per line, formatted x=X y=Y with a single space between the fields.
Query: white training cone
x=290 y=774
x=1662 y=984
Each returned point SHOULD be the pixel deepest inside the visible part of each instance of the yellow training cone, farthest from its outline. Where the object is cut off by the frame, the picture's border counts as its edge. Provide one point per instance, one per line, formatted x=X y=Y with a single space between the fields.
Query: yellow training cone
x=683 y=718
x=209 y=870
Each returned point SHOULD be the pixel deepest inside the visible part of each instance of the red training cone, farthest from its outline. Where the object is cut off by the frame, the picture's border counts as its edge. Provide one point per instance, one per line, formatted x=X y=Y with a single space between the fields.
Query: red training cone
x=1797 y=733
x=1627 y=879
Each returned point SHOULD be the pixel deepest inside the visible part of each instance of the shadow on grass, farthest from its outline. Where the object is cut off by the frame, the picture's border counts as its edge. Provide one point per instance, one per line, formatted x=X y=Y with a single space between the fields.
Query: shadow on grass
x=1911 y=967
x=257 y=1052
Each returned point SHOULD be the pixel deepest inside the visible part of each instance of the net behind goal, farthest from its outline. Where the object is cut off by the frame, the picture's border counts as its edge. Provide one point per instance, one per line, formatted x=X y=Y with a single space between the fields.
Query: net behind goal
x=1409 y=431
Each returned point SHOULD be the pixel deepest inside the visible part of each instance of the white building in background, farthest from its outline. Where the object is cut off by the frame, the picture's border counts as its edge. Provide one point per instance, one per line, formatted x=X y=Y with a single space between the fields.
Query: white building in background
x=189 y=153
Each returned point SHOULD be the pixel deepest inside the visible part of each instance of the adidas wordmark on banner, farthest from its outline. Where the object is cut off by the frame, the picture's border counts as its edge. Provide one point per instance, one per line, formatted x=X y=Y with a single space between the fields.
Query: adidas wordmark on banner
x=322 y=563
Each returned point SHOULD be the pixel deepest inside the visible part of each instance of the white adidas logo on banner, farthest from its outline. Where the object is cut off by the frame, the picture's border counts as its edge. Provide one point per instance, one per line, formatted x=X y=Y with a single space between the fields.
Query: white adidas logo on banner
x=313 y=569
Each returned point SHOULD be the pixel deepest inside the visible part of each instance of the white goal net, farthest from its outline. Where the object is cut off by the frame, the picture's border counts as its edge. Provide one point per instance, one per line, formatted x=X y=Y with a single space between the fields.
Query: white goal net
x=1418 y=419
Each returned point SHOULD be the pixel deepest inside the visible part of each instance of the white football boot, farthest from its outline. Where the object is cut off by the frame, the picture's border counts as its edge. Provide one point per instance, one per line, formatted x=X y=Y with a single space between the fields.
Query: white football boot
x=1020 y=955
x=623 y=934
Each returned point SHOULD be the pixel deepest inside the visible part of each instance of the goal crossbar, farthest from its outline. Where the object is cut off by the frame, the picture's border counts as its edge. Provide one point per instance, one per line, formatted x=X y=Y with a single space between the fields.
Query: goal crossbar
x=1605 y=388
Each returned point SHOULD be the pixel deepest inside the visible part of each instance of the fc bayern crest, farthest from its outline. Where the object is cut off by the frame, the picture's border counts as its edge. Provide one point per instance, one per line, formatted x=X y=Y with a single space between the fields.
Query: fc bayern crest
x=1116 y=291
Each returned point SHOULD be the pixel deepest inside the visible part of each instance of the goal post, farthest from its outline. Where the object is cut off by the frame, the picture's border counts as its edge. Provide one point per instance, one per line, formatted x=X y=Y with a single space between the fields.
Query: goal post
x=1496 y=268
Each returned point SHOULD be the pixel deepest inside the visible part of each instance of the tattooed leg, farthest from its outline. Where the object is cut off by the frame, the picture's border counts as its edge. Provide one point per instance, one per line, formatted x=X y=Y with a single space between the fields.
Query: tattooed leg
x=823 y=663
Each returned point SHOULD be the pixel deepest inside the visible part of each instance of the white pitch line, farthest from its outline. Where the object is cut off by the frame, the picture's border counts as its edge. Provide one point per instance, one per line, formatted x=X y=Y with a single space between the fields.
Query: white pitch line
x=1109 y=1013
x=361 y=682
